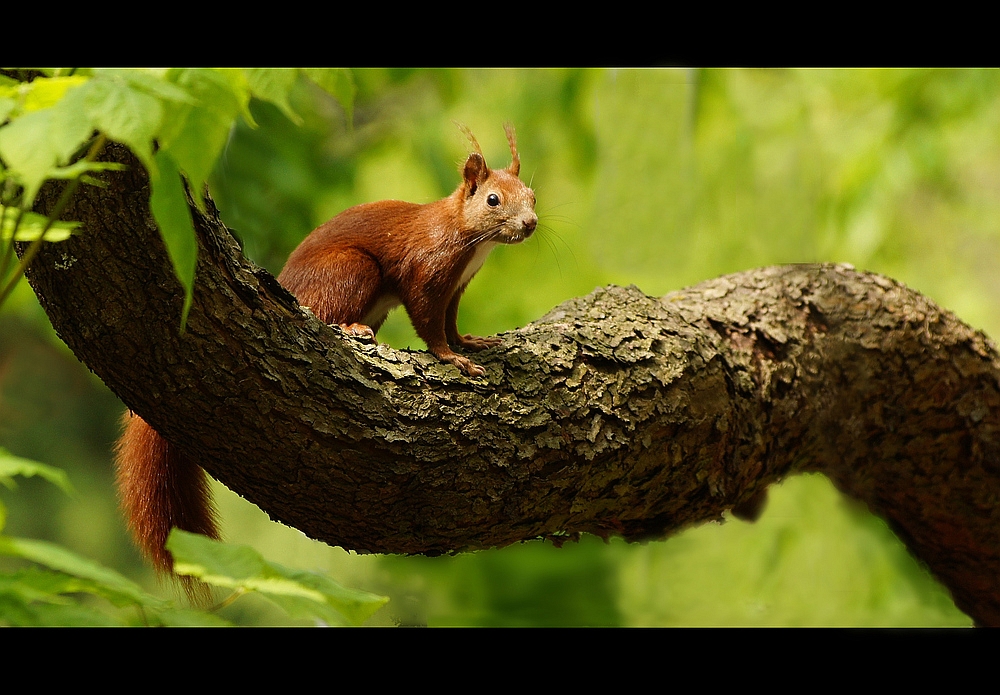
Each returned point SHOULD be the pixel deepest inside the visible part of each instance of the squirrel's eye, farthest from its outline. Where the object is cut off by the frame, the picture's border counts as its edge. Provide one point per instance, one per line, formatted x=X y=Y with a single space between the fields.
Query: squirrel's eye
x=493 y=200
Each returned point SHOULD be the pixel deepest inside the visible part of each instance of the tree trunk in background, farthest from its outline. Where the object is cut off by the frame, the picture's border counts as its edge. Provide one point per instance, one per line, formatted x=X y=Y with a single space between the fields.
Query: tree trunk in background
x=616 y=413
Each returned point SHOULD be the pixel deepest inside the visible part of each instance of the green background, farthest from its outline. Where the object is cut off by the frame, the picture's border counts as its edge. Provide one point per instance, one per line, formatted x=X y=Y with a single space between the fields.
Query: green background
x=654 y=177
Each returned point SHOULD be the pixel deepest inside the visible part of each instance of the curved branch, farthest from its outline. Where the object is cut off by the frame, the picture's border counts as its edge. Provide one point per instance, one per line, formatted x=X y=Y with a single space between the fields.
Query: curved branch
x=615 y=413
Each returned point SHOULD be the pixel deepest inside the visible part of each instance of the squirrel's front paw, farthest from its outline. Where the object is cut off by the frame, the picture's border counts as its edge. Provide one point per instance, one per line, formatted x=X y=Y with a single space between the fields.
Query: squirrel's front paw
x=359 y=331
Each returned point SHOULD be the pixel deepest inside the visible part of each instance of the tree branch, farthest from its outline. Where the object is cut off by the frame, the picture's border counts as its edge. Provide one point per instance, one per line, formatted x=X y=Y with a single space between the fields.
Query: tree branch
x=615 y=413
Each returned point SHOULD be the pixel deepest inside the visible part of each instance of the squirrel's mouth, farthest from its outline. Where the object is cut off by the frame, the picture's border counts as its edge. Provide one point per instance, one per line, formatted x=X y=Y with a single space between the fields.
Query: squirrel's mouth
x=516 y=234
x=513 y=237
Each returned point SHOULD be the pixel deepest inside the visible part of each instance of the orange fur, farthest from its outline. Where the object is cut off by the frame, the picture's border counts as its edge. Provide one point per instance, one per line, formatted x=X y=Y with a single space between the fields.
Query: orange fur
x=159 y=489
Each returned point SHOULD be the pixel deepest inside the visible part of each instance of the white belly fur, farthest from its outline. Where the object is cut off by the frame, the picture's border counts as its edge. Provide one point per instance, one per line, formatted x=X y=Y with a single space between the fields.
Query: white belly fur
x=478 y=258
x=377 y=314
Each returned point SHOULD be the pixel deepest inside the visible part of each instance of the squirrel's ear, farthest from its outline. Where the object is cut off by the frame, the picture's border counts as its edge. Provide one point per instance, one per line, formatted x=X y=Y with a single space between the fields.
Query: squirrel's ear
x=475 y=173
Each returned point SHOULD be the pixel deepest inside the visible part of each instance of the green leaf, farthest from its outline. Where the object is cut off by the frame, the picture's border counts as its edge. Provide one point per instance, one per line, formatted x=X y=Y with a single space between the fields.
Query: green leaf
x=33 y=597
x=337 y=82
x=17 y=614
x=128 y=106
x=38 y=596
x=182 y=617
x=274 y=85
x=120 y=111
x=302 y=594
x=32 y=145
x=194 y=135
x=173 y=216
x=31 y=226
x=7 y=105
x=42 y=93
x=101 y=580
x=37 y=584
x=11 y=465
x=152 y=80
x=81 y=167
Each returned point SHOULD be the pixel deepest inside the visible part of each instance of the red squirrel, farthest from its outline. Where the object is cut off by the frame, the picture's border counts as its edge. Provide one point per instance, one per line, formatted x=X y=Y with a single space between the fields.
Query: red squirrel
x=371 y=258
x=351 y=271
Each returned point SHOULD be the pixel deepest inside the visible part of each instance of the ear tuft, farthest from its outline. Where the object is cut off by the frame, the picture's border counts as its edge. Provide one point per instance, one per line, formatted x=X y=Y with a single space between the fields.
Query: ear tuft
x=472 y=138
x=515 y=160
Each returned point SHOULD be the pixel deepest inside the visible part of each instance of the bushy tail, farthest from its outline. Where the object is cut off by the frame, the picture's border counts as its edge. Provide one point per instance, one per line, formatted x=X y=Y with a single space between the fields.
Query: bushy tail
x=159 y=489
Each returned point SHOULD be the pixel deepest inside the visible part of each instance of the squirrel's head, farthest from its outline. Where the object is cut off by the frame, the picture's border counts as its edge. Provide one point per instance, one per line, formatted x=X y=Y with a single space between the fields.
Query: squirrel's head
x=498 y=206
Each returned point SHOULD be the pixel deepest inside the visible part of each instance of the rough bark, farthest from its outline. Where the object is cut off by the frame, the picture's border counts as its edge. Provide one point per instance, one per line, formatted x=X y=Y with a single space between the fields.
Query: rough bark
x=616 y=413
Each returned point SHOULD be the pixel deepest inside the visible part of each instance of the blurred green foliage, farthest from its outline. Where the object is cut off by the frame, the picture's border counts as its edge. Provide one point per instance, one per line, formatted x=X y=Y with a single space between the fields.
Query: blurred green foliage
x=660 y=178
x=50 y=585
